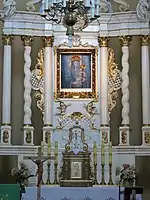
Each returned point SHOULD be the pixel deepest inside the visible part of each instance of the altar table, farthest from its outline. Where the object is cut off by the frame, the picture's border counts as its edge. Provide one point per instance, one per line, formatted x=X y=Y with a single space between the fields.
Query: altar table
x=64 y=193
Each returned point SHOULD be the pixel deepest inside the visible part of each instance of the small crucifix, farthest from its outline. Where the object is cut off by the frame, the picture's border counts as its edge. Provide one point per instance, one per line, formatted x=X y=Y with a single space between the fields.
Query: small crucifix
x=39 y=160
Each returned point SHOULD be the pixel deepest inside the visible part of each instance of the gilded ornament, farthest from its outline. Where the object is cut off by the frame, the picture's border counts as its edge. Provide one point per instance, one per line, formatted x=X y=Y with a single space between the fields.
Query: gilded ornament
x=123 y=137
x=105 y=137
x=27 y=40
x=103 y=41
x=76 y=115
x=91 y=108
x=145 y=39
x=147 y=137
x=125 y=40
x=28 y=137
x=47 y=137
x=5 y=136
x=48 y=41
x=62 y=108
x=114 y=80
x=7 y=39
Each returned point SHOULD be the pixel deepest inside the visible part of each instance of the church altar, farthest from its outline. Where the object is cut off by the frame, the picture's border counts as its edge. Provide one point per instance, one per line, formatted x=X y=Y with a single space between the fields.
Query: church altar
x=74 y=193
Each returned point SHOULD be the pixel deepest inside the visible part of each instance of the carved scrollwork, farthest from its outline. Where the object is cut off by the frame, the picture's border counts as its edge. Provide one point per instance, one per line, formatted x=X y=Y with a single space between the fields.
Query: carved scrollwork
x=142 y=9
x=114 y=80
x=37 y=80
x=9 y=8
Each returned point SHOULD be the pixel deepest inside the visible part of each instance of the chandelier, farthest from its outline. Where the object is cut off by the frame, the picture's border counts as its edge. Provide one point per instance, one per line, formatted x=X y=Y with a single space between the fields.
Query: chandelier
x=75 y=15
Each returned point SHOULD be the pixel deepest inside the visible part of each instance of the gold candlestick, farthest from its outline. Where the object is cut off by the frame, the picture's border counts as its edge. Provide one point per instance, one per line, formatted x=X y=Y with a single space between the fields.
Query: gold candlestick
x=95 y=153
x=103 y=175
x=102 y=153
x=56 y=163
x=110 y=175
x=110 y=153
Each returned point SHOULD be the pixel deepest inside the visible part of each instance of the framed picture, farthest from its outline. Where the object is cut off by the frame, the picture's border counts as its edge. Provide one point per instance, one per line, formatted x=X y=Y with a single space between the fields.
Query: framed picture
x=76 y=170
x=76 y=72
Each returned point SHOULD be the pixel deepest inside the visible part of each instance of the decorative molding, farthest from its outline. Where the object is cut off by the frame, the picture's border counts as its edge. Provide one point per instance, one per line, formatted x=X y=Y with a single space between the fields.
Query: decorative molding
x=27 y=40
x=145 y=40
x=7 y=39
x=125 y=40
x=37 y=80
x=103 y=41
x=24 y=23
x=143 y=10
x=114 y=80
x=48 y=41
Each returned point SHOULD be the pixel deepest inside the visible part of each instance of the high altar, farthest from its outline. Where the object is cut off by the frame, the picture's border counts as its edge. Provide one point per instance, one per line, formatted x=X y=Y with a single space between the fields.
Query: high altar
x=76 y=89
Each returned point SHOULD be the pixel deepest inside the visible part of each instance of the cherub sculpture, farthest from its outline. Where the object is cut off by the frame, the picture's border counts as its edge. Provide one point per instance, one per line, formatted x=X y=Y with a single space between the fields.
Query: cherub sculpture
x=9 y=8
x=62 y=108
x=91 y=108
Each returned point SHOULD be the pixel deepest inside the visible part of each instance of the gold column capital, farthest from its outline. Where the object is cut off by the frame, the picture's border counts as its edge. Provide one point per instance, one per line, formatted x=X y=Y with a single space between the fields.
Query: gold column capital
x=7 y=39
x=27 y=40
x=145 y=39
x=125 y=40
x=48 y=41
x=103 y=41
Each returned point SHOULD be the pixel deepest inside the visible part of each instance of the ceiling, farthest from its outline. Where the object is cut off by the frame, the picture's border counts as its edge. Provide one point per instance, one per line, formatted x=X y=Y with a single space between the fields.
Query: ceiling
x=20 y=4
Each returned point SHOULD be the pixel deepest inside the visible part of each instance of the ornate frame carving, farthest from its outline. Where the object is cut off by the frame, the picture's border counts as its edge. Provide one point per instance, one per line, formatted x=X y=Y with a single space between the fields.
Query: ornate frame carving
x=76 y=93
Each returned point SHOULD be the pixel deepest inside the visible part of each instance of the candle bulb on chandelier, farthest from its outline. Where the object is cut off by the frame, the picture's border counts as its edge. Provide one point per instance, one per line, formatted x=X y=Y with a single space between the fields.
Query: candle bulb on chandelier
x=110 y=153
x=95 y=152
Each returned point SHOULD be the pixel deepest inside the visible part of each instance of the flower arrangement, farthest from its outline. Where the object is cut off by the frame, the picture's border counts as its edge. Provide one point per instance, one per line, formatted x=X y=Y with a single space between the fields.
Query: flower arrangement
x=127 y=174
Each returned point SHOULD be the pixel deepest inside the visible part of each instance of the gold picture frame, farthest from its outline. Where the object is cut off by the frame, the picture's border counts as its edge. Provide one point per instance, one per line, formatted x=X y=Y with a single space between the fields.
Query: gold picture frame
x=76 y=72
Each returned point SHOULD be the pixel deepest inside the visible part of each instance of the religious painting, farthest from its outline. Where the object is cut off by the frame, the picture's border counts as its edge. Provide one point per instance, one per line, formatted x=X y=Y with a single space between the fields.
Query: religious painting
x=76 y=170
x=76 y=72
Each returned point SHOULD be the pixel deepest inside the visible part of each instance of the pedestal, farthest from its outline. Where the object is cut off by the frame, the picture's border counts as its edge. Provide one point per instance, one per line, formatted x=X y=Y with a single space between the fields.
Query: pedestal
x=105 y=134
x=124 y=132
x=146 y=134
x=28 y=135
x=6 y=135
x=47 y=132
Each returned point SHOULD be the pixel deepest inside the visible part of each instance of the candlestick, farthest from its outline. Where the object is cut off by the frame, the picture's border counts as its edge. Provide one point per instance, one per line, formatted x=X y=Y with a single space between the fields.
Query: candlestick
x=95 y=152
x=110 y=175
x=56 y=152
x=42 y=147
x=49 y=145
x=93 y=8
x=103 y=153
x=103 y=175
x=110 y=153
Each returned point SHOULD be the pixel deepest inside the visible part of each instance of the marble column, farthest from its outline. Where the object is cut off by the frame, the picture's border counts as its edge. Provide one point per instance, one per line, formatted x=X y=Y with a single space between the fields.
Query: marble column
x=6 y=100
x=145 y=89
x=125 y=124
x=104 y=115
x=28 y=128
x=48 y=87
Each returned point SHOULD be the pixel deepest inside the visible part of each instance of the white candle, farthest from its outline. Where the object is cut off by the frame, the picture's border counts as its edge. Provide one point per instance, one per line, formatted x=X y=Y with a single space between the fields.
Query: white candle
x=93 y=8
x=46 y=4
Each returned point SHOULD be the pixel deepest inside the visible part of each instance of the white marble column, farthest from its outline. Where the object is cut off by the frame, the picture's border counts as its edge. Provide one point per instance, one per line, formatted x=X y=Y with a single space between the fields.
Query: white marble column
x=145 y=89
x=48 y=87
x=125 y=124
x=28 y=128
x=6 y=108
x=104 y=115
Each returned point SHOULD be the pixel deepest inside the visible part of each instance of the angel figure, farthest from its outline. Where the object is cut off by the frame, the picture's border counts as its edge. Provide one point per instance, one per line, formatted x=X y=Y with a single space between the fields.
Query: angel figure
x=9 y=8
x=90 y=108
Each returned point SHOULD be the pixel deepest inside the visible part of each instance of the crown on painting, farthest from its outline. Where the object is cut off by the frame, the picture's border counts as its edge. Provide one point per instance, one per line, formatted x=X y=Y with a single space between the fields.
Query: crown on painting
x=75 y=58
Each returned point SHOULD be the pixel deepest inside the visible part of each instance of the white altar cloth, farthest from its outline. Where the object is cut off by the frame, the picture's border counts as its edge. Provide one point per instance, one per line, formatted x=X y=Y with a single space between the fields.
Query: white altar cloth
x=78 y=193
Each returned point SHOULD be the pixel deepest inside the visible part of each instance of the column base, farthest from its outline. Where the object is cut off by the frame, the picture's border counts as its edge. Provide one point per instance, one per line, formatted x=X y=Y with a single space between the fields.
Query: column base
x=146 y=134
x=5 y=135
x=47 y=132
x=28 y=135
x=124 y=132
x=105 y=134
